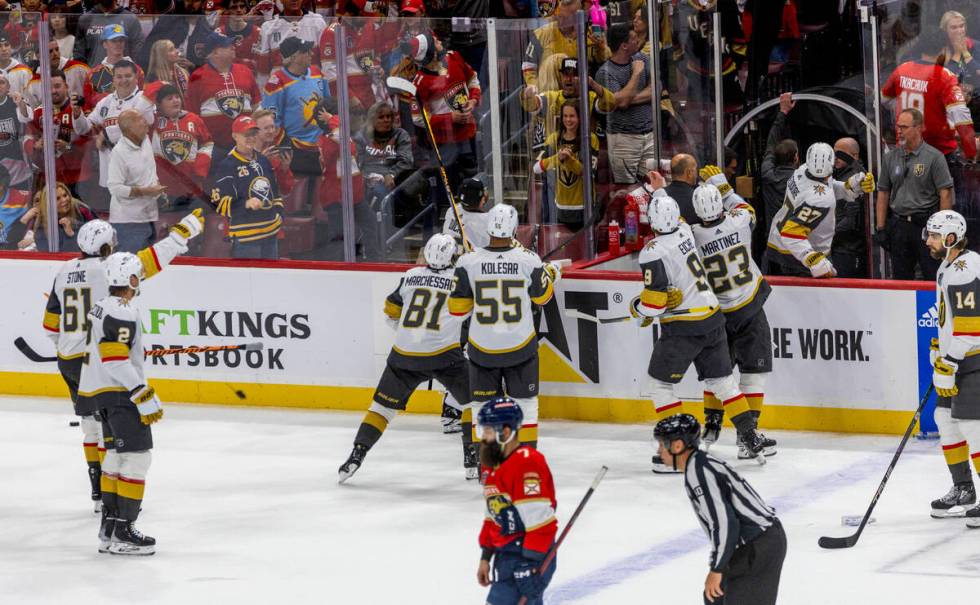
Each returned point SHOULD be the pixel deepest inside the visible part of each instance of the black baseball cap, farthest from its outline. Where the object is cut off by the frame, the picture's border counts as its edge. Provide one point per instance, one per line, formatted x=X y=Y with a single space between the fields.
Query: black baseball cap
x=569 y=64
x=292 y=45
x=471 y=192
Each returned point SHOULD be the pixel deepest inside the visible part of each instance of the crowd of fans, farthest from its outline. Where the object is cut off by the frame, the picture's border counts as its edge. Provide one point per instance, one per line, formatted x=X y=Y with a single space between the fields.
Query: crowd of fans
x=192 y=70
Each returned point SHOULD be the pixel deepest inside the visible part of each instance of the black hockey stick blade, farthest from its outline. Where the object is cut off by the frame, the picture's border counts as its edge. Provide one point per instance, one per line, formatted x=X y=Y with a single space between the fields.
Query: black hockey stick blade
x=30 y=353
x=849 y=541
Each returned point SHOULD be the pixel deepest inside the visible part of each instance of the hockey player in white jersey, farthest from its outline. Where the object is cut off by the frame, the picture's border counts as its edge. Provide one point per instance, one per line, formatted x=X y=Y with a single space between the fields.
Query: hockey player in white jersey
x=803 y=228
x=78 y=286
x=724 y=242
x=472 y=198
x=497 y=286
x=427 y=346
x=114 y=383
x=956 y=363
x=676 y=291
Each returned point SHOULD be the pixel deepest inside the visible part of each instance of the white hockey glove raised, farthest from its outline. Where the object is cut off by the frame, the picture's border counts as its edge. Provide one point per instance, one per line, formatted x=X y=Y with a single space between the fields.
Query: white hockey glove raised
x=863 y=181
x=819 y=265
x=713 y=175
x=188 y=228
x=944 y=376
x=148 y=404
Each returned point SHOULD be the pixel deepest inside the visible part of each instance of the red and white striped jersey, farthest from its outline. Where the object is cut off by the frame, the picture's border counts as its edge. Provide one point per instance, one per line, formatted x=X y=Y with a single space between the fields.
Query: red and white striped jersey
x=523 y=481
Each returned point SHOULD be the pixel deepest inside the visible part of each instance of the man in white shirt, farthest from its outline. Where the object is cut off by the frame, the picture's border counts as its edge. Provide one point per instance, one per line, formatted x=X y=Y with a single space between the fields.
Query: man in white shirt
x=105 y=116
x=133 y=183
x=18 y=74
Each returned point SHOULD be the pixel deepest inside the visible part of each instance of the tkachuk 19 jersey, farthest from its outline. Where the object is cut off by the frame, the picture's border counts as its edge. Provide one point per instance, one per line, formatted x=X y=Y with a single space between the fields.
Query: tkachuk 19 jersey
x=671 y=260
x=958 y=295
x=498 y=286
x=475 y=224
x=114 y=354
x=81 y=283
x=428 y=334
x=805 y=223
x=522 y=484
x=726 y=254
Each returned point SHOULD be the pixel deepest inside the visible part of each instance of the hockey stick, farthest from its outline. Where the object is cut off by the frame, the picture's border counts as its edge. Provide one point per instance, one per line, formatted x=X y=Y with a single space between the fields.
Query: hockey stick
x=599 y=320
x=30 y=353
x=404 y=86
x=561 y=538
x=849 y=541
x=252 y=346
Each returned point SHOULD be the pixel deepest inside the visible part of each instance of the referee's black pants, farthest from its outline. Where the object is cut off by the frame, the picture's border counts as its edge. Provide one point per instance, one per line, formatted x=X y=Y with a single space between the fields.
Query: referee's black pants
x=753 y=573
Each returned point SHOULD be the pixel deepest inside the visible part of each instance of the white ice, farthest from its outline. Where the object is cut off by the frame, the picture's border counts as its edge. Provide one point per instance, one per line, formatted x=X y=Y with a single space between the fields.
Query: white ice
x=246 y=508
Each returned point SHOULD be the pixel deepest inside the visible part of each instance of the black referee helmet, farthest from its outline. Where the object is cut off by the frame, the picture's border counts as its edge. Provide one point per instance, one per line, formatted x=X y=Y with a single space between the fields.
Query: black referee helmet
x=679 y=426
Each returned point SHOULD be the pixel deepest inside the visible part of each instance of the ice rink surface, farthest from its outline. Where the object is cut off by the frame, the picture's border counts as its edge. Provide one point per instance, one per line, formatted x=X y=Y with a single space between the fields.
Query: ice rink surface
x=245 y=506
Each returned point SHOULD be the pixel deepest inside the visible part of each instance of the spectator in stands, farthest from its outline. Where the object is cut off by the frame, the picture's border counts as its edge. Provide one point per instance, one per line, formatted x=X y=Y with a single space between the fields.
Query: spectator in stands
x=72 y=214
x=384 y=152
x=962 y=59
x=849 y=249
x=11 y=131
x=165 y=66
x=58 y=20
x=13 y=204
x=366 y=42
x=182 y=147
x=245 y=191
x=914 y=182
x=104 y=118
x=220 y=91
x=70 y=144
x=243 y=29
x=600 y=98
x=99 y=81
x=629 y=127
x=132 y=181
x=683 y=178
x=18 y=74
x=730 y=167
x=294 y=93
x=88 y=38
x=188 y=32
x=468 y=38
x=22 y=31
x=294 y=22
x=565 y=159
x=781 y=159
x=275 y=148
x=75 y=74
x=559 y=37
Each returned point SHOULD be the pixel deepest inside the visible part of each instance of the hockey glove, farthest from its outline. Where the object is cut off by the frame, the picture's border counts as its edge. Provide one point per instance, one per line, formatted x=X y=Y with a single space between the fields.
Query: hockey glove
x=675 y=296
x=554 y=272
x=714 y=176
x=933 y=351
x=188 y=228
x=944 y=376
x=881 y=238
x=635 y=312
x=147 y=403
x=509 y=521
x=528 y=580
x=864 y=181
x=819 y=265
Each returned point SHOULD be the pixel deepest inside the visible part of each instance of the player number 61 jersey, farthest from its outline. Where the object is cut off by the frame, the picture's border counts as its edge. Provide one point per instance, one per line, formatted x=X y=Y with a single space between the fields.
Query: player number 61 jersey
x=79 y=284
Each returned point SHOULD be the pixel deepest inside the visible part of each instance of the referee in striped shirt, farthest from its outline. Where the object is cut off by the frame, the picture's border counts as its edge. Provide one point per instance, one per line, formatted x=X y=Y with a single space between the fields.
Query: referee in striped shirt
x=748 y=541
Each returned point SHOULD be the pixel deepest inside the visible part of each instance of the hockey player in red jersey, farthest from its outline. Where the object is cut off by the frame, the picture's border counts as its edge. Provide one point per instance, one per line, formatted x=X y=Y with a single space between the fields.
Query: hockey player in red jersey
x=520 y=525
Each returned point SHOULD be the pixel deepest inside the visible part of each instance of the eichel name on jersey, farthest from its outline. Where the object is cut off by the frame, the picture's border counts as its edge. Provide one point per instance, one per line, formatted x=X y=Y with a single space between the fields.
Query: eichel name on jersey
x=726 y=254
x=498 y=285
x=675 y=254
x=428 y=334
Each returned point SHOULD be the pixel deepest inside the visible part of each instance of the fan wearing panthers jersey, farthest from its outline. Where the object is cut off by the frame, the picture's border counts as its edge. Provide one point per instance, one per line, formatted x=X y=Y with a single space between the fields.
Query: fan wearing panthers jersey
x=803 y=228
x=114 y=383
x=182 y=146
x=692 y=328
x=956 y=362
x=79 y=284
x=724 y=241
x=519 y=524
x=426 y=347
x=293 y=22
x=498 y=285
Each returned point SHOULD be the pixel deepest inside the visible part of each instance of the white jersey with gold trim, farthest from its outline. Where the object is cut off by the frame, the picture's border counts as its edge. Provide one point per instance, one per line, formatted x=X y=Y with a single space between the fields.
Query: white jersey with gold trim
x=426 y=328
x=958 y=298
x=114 y=353
x=726 y=253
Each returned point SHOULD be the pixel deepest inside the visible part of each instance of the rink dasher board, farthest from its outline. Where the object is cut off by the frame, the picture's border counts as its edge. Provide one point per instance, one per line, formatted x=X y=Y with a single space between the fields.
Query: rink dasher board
x=846 y=359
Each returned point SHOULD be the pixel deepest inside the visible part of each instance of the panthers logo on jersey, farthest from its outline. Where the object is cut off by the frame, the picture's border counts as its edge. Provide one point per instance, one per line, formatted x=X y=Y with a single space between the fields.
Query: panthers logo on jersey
x=231 y=106
x=176 y=151
x=310 y=107
x=457 y=97
x=497 y=503
x=365 y=60
x=261 y=188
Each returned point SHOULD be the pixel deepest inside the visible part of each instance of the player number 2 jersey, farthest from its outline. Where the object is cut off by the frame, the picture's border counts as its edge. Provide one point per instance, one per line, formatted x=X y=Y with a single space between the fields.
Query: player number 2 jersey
x=427 y=331
x=114 y=353
x=958 y=297
x=499 y=285
x=671 y=261
x=726 y=253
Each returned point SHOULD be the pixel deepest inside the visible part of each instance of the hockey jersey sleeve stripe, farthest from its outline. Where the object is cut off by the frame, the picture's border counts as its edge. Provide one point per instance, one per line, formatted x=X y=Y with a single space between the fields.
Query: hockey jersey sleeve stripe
x=794 y=230
x=392 y=310
x=151 y=263
x=113 y=351
x=460 y=306
x=653 y=298
x=535 y=513
x=966 y=326
x=52 y=322
x=544 y=297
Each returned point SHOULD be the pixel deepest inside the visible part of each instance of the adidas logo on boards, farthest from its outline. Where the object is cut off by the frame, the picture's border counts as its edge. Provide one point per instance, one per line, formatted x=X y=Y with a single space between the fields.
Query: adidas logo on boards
x=930 y=319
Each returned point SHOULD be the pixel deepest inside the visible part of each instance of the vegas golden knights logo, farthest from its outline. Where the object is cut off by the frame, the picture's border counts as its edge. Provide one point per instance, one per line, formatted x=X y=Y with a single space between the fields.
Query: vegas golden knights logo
x=919 y=169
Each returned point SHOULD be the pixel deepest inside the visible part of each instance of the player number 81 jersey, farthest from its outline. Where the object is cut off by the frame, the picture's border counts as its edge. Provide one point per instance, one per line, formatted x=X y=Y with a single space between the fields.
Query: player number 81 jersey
x=426 y=328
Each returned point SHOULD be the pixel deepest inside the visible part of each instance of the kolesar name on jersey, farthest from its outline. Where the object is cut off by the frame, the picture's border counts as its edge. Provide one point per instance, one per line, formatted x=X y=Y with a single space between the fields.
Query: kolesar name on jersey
x=500 y=268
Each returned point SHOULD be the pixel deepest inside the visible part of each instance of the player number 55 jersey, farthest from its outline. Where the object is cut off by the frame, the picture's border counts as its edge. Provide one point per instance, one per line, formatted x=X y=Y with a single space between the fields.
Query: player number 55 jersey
x=426 y=328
